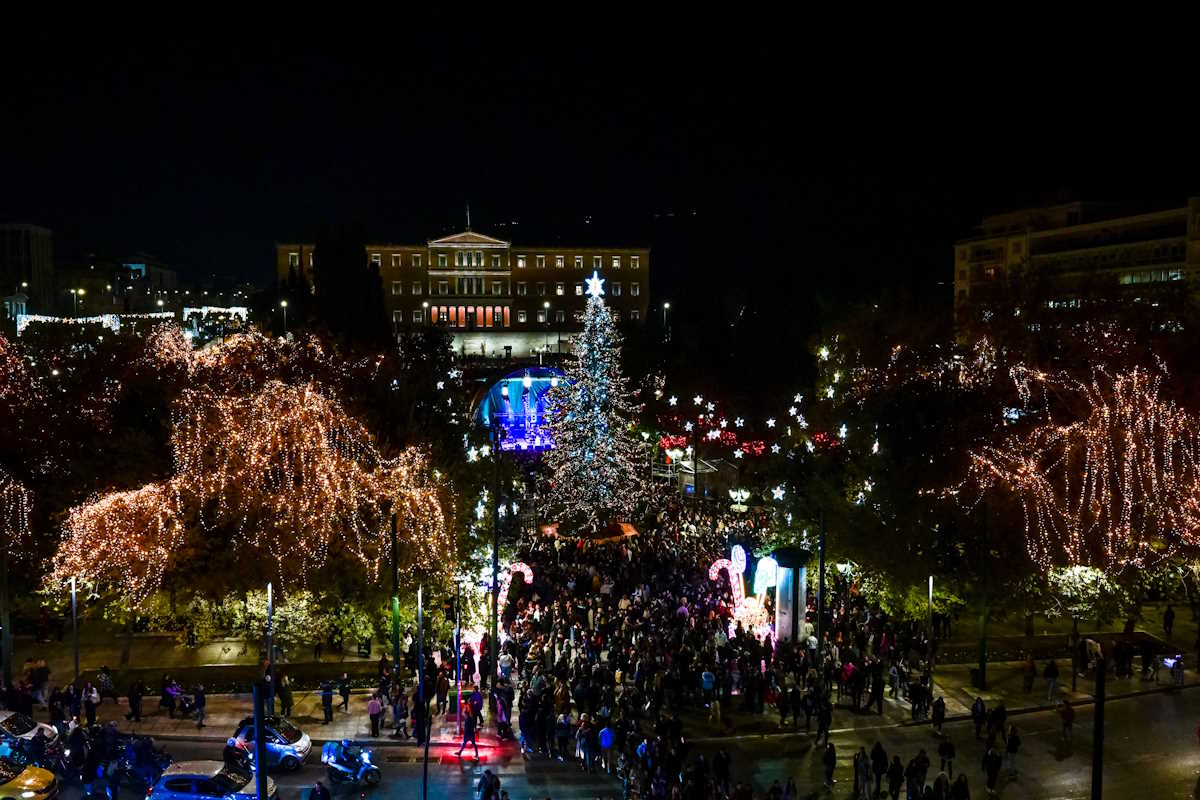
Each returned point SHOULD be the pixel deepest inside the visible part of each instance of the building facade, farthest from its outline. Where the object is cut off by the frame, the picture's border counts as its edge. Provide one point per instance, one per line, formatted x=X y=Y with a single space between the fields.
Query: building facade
x=491 y=293
x=1076 y=245
x=27 y=265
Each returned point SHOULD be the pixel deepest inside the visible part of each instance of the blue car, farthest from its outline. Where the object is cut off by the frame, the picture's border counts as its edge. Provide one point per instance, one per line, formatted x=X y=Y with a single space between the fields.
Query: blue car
x=207 y=780
x=287 y=746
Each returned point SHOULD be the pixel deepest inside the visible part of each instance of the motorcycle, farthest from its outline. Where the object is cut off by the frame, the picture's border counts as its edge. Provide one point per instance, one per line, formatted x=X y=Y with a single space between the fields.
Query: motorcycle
x=349 y=763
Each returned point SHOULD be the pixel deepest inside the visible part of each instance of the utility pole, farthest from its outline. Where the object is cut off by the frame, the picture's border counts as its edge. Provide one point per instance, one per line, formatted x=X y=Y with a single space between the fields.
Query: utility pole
x=494 y=650
x=5 y=623
x=458 y=659
x=74 y=629
x=421 y=682
x=1098 y=730
x=270 y=698
x=395 y=599
x=821 y=583
x=260 y=742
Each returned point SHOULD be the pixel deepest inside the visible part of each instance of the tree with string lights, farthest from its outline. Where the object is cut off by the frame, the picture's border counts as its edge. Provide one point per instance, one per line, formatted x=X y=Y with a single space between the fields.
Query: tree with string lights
x=598 y=469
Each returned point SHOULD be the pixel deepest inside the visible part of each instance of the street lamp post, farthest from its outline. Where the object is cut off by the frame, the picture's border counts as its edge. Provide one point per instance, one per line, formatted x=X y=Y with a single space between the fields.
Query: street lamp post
x=75 y=628
x=270 y=699
x=494 y=652
x=395 y=597
x=666 y=324
x=283 y=305
x=546 y=342
x=75 y=295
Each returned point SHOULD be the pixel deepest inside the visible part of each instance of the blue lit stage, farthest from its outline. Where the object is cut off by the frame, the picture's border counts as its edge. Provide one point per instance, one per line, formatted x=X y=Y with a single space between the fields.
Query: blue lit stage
x=520 y=403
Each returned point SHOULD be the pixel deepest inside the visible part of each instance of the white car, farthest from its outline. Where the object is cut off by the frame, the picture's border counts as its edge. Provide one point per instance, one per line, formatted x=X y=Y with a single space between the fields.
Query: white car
x=14 y=725
x=207 y=780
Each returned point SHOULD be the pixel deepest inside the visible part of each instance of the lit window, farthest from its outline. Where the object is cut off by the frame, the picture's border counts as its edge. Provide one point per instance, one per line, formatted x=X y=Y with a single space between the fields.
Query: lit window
x=398 y=316
x=419 y=315
x=597 y=262
x=460 y=259
x=416 y=287
x=635 y=289
x=396 y=259
x=541 y=315
x=616 y=315
x=443 y=287
x=635 y=262
x=293 y=259
x=521 y=288
x=520 y=262
x=496 y=261
x=635 y=315
x=541 y=289
x=579 y=290
x=560 y=289
x=560 y=262
x=521 y=315
x=397 y=287
x=479 y=258
x=615 y=289
x=578 y=262
x=616 y=262
x=496 y=286
x=376 y=259
x=541 y=262
x=416 y=259
x=441 y=259
x=559 y=315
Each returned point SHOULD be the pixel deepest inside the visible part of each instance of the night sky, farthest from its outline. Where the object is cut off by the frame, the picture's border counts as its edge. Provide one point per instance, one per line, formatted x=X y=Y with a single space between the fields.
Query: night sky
x=782 y=179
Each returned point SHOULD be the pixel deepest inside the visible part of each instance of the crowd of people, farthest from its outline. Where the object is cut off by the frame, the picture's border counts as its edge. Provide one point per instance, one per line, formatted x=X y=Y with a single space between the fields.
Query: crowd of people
x=620 y=650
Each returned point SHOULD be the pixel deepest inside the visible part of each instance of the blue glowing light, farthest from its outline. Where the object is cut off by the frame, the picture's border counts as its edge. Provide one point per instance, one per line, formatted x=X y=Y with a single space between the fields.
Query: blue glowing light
x=521 y=411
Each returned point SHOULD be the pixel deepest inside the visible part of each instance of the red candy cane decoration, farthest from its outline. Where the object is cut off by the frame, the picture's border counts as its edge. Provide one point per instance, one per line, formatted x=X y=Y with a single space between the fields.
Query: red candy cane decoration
x=735 y=578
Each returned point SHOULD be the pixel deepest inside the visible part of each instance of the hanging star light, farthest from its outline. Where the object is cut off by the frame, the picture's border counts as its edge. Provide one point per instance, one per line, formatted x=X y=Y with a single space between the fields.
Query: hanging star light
x=697 y=399
x=739 y=422
x=595 y=285
x=771 y=422
x=775 y=448
x=799 y=398
x=778 y=492
x=687 y=426
x=672 y=400
x=737 y=453
x=723 y=422
x=792 y=411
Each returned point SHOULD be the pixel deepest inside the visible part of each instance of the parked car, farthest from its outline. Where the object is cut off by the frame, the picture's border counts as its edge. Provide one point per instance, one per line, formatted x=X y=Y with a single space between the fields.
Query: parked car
x=287 y=745
x=21 y=782
x=207 y=780
x=14 y=725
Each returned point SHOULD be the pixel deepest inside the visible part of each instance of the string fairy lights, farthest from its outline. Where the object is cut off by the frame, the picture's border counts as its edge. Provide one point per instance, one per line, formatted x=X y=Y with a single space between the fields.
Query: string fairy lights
x=284 y=472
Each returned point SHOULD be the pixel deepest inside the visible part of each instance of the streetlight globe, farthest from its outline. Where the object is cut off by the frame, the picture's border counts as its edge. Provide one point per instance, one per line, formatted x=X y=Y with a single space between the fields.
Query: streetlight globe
x=667 y=305
x=546 y=304
x=160 y=303
x=81 y=292
x=425 y=304
x=283 y=303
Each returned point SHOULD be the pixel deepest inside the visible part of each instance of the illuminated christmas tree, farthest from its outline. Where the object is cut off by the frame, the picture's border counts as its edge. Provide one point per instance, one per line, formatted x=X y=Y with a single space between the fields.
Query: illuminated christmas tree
x=598 y=469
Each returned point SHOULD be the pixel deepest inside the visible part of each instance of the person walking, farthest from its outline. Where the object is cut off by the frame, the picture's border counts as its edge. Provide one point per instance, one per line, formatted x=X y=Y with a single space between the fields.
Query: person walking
x=1050 y=673
x=201 y=701
x=1013 y=746
x=824 y=720
x=136 y=691
x=91 y=699
x=469 y=736
x=895 y=776
x=938 y=717
x=991 y=768
x=946 y=755
x=829 y=762
x=1169 y=620
x=862 y=774
x=344 y=691
x=327 y=701
x=879 y=765
x=978 y=715
x=284 y=691
x=318 y=792
x=374 y=711
x=1067 y=714
x=960 y=790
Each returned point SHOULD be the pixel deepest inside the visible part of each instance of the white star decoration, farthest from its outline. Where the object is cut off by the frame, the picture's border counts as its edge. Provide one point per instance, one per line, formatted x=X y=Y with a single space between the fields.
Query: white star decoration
x=777 y=492
x=737 y=453
x=792 y=411
x=771 y=422
x=697 y=399
x=710 y=406
x=595 y=284
x=739 y=422
x=687 y=426
x=441 y=385
x=723 y=423
x=798 y=398
x=775 y=448
x=672 y=400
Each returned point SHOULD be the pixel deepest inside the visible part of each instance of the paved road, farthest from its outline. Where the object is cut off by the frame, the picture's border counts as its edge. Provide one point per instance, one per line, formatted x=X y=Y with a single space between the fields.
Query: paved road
x=1151 y=753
